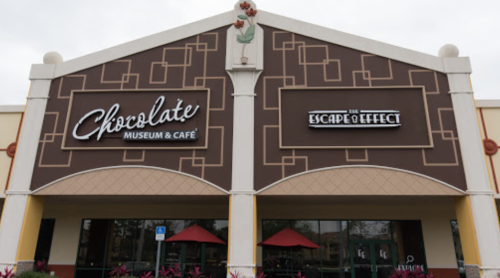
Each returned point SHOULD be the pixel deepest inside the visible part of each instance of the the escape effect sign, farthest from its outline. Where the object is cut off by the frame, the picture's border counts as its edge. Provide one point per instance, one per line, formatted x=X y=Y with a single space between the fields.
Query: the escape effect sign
x=354 y=118
x=137 y=119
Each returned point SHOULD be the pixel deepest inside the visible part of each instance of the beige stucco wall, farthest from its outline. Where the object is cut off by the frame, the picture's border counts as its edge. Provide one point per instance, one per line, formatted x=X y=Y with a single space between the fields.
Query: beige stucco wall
x=488 y=124
x=435 y=216
x=69 y=212
x=9 y=125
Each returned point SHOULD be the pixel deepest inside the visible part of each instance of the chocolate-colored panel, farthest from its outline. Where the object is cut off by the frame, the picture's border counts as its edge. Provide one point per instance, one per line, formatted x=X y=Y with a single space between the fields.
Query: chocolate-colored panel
x=189 y=68
x=301 y=64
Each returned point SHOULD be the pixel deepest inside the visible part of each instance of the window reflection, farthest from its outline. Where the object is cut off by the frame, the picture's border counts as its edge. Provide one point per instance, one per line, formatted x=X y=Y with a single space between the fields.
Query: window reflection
x=92 y=244
x=106 y=244
x=381 y=244
x=370 y=230
x=334 y=245
x=121 y=244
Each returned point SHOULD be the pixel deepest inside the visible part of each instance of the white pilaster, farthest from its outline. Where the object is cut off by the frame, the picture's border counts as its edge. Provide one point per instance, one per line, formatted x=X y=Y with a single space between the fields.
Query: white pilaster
x=244 y=75
x=10 y=230
x=481 y=196
x=22 y=171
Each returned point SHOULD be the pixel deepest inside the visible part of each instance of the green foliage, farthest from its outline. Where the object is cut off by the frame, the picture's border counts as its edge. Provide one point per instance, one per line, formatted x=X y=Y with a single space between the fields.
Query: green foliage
x=241 y=39
x=34 y=274
x=242 y=16
x=249 y=35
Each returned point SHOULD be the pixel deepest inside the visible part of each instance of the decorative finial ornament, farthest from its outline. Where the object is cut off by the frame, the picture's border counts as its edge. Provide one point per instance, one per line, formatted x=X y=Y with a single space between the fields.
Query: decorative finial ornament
x=52 y=57
x=448 y=51
x=490 y=146
x=246 y=37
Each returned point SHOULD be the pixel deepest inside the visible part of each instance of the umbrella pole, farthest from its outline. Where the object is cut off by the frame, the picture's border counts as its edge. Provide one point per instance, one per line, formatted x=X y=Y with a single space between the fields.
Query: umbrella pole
x=203 y=253
x=183 y=258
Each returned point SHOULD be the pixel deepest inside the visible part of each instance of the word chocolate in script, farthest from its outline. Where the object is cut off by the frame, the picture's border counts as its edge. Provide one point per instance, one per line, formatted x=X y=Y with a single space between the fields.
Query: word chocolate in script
x=108 y=121
x=184 y=135
x=354 y=118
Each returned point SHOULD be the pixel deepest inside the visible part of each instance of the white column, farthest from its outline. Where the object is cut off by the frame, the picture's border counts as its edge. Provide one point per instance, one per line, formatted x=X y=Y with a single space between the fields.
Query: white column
x=24 y=163
x=244 y=74
x=478 y=186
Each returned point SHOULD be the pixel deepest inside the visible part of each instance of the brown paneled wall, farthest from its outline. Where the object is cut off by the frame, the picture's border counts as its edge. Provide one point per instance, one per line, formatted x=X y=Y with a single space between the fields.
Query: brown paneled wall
x=293 y=61
x=197 y=62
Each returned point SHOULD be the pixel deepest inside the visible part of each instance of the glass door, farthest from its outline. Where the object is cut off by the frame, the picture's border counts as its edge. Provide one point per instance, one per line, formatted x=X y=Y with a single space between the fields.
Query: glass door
x=361 y=259
x=371 y=258
x=384 y=260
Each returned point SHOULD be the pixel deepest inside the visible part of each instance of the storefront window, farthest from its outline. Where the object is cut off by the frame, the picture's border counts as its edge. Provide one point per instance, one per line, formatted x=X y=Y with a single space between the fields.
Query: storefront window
x=106 y=244
x=347 y=248
x=121 y=243
x=370 y=230
x=458 y=248
x=44 y=240
x=92 y=244
x=409 y=245
x=145 y=250
x=334 y=246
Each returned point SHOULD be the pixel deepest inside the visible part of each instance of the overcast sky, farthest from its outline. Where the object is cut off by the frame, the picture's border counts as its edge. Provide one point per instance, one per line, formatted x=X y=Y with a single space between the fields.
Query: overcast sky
x=29 y=29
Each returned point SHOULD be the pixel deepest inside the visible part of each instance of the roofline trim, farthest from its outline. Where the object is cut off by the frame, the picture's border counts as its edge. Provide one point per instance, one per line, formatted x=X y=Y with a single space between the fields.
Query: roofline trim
x=12 y=108
x=142 y=44
x=352 y=41
x=447 y=65
x=488 y=103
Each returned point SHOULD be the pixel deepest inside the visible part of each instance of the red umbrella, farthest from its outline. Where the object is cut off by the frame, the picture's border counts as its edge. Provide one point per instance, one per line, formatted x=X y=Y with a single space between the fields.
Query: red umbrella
x=289 y=238
x=195 y=233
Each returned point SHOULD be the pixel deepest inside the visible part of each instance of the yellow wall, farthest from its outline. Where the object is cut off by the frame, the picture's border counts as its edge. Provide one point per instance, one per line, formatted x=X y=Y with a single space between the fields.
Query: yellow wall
x=69 y=214
x=9 y=124
x=435 y=216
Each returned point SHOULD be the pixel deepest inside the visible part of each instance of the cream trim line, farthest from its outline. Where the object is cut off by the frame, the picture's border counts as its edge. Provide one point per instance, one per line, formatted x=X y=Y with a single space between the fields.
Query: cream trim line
x=242 y=192
x=352 y=41
x=2 y=196
x=360 y=166
x=488 y=103
x=480 y=192
x=37 y=98
x=243 y=95
x=17 y=192
x=11 y=108
x=485 y=267
x=461 y=92
x=151 y=41
x=130 y=166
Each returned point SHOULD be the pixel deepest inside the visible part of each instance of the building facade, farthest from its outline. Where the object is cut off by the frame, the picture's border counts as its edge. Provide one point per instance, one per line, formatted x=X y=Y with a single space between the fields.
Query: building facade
x=371 y=151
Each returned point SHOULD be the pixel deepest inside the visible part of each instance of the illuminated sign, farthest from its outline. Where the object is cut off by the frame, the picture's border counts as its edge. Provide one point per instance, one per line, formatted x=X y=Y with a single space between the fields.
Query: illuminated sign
x=354 y=118
x=111 y=123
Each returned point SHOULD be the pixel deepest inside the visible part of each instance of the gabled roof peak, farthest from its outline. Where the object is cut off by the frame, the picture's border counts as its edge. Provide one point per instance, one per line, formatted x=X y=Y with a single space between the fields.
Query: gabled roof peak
x=446 y=64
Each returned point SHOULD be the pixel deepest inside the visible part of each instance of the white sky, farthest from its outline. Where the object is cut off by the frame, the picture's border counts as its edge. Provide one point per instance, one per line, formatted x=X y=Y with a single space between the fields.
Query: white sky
x=29 y=29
